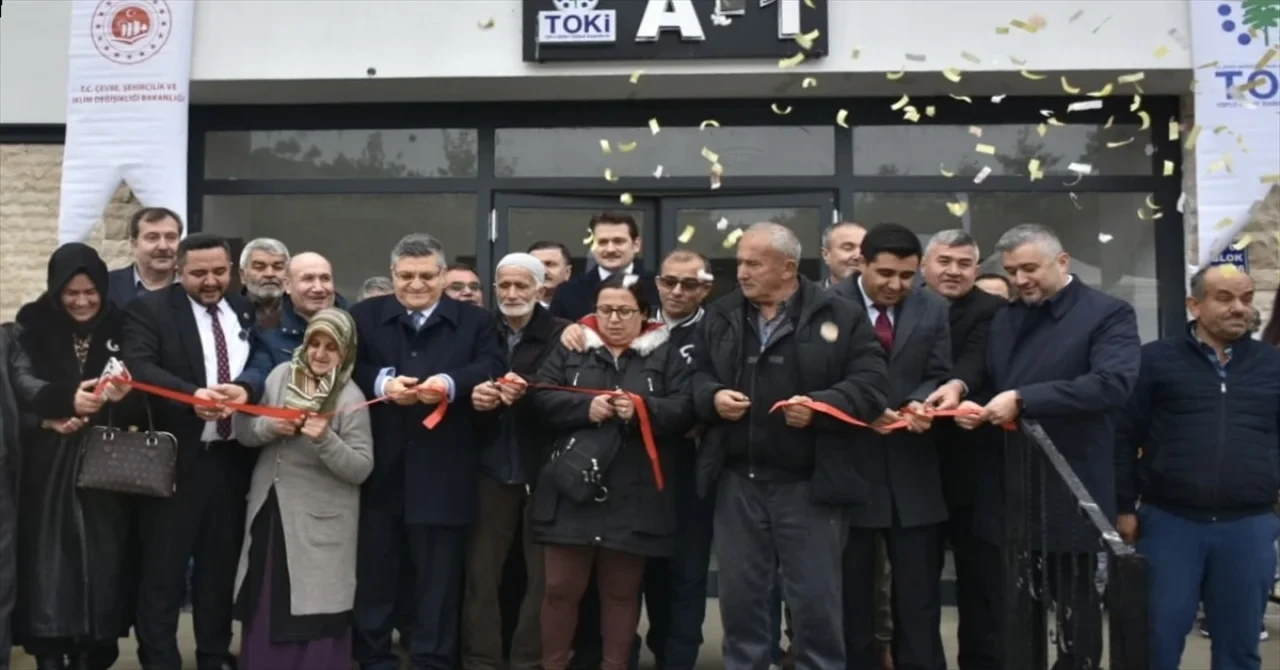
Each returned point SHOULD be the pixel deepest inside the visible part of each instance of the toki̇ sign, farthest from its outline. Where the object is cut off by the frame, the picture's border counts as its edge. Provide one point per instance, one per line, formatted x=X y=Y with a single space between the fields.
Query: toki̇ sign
x=586 y=30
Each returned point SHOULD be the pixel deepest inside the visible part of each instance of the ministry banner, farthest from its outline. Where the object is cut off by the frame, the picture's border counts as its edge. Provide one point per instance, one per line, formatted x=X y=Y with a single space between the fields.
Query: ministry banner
x=127 y=91
x=1236 y=49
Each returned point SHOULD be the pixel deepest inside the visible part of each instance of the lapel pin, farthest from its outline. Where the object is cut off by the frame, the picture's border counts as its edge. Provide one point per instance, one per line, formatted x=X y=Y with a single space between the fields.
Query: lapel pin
x=112 y=346
x=244 y=335
x=829 y=331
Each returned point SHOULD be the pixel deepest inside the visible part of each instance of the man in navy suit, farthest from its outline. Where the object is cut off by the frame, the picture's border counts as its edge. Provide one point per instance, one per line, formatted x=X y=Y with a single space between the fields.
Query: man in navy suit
x=1067 y=356
x=615 y=244
x=424 y=350
x=153 y=240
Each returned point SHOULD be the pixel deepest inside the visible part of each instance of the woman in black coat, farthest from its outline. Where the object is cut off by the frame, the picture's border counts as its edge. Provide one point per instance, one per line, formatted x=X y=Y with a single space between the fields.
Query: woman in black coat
x=75 y=595
x=597 y=503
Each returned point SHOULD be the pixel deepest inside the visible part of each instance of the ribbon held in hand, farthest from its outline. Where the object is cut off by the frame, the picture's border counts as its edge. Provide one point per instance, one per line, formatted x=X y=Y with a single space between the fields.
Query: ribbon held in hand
x=840 y=415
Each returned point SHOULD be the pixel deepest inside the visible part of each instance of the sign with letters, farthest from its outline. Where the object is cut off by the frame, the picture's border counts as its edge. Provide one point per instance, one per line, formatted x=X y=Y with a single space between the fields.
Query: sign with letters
x=1233 y=256
x=595 y=30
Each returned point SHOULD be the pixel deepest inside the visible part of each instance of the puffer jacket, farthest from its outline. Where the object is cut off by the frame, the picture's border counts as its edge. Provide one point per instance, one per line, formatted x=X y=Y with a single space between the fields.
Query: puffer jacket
x=630 y=514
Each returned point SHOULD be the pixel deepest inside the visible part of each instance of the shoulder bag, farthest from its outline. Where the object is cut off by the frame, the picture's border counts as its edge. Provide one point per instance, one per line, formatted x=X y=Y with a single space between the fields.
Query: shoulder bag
x=129 y=461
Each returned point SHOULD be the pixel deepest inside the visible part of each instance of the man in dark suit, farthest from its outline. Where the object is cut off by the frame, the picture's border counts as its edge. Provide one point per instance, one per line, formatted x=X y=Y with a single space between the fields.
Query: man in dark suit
x=1067 y=356
x=194 y=338
x=901 y=469
x=153 y=239
x=950 y=268
x=423 y=350
x=615 y=244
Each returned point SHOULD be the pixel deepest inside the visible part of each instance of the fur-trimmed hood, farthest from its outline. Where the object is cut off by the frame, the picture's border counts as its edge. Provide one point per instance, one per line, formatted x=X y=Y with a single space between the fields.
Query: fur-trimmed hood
x=653 y=335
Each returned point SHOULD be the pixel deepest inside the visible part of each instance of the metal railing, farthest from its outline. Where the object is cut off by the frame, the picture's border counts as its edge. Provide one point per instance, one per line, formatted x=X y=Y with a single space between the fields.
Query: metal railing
x=1062 y=556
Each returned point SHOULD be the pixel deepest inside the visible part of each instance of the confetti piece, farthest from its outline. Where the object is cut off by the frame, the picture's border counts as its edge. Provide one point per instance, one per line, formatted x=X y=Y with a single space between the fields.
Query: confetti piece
x=995 y=99
x=982 y=174
x=609 y=175
x=1193 y=136
x=809 y=82
x=1113 y=145
x=1002 y=30
x=1240 y=141
x=919 y=58
x=1217 y=166
x=1224 y=223
x=1161 y=51
x=711 y=156
x=1080 y=168
x=1084 y=105
x=1074 y=17
x=975 y=131
x=952 y=74
x=1168 y=168
x=1077 y=180
x=1270 y=178
x=605 y=148
x=657 y=172
x=1100 y=25
x=911 y=114
x=1102 y=92
x=779 y=110
x=1218 y=130
x=1031 y=75
x=1182 y=202
x=732 y=238
x=627 y=147
x=809 y=4
x=1105 y=237
x=894 y=76
x=635 y=76
x=1267 y=57
x=958 y=208
x=857 y=51
x=1146 y=119
x=930 y=111
x=626 y=199
x=842 y=117
x=654 y=127
x=1142 y=214
x=902 y=102
x=1017 y=61
x=709 y=123
x=1228 y=270
x=1054 y=122
x=1226 y=158
x=1182 y=40
x=971 y=58
x=1066 y=86
x=1023 y=25
x=1131 y=78
x=1244 y=242
x=1151 y=203
x=1042 y=129
x=589 y=238
x=1137 y=103
x=1033 y=167
x=722 y=224
x=965 y=98
x=1157 y=215
x=1110 y=120
x=1212 y=63
x=806 y=40
x=792 y=61
x=1075 y=199
x=486 y=24
x=1174 y=130
x=985 y=149
x=687 y=234
x=945 y=172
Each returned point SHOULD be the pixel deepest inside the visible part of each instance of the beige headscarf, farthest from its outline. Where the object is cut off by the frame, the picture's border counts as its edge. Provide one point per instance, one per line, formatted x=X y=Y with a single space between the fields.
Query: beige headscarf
x=310 y=392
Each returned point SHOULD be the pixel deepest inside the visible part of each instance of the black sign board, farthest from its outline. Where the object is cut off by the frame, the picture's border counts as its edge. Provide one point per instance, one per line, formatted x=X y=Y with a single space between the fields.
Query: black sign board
x=596 y=30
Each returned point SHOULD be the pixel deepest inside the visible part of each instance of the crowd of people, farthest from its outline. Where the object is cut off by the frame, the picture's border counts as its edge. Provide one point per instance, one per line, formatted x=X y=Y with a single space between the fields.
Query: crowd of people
x=508 y=487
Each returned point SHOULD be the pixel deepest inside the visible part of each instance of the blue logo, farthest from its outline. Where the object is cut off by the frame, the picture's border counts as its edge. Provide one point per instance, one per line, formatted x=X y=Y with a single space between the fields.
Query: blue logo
x=1258 y=18
x=577 y=22
x=1232 y=256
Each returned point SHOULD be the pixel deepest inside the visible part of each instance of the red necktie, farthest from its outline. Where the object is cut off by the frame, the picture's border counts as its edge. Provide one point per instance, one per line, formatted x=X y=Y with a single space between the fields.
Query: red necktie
x=884 y=328
x=224 y=366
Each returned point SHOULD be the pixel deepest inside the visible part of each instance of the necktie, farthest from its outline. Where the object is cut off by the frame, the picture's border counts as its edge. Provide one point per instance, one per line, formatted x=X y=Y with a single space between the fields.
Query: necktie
x=884 y=328
x=419 y=320
x=224 y=366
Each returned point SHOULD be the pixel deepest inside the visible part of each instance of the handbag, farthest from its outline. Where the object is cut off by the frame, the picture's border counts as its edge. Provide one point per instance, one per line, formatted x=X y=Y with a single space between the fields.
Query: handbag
x=578 y=468
x=128 y=461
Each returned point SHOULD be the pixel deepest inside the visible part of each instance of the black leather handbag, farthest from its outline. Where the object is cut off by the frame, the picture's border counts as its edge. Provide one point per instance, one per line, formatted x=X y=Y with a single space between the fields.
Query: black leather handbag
x=129 y=461
x=578 y=468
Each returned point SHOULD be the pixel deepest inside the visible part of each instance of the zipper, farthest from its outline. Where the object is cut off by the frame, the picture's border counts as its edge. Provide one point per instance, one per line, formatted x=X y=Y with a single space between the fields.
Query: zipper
x=575 y=378
x=650 y=380
x=1222 y=445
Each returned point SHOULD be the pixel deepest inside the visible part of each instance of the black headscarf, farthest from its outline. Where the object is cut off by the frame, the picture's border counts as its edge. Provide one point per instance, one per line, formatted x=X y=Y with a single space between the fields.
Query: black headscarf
x=69 y=260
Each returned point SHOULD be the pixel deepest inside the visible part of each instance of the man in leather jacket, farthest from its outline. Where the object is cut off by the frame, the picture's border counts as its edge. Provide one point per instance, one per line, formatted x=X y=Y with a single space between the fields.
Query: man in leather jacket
x=16 y=383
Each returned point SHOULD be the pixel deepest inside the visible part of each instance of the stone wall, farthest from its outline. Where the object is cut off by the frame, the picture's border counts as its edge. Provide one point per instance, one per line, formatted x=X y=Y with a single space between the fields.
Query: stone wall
x=30 y=178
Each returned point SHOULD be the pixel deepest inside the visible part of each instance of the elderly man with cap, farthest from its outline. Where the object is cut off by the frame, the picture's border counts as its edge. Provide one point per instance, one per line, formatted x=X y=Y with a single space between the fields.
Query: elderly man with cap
x=509 y=462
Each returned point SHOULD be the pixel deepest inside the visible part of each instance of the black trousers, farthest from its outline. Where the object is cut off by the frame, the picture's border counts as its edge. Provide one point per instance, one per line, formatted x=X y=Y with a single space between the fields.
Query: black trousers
x=979 y=585
x=204 y=521
x=1071 y=581
x=437 y=554
x=914 y=556
x=8 y=562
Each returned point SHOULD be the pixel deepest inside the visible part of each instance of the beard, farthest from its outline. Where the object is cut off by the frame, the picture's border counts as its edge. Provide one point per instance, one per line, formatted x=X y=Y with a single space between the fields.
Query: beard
x=265 y=291
x=521 y=309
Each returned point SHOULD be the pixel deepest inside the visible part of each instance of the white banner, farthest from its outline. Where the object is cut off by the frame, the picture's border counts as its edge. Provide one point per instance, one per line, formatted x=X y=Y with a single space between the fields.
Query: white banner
x=1236 y=48
x=127 y=90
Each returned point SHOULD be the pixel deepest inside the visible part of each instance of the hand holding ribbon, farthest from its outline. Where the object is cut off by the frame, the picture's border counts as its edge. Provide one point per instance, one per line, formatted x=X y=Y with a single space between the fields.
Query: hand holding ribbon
x=915 y=414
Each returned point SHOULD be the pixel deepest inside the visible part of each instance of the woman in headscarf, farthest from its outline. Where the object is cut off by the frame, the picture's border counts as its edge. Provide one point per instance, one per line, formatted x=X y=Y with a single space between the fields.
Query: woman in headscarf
x=597 y=506
x=76 y=589
x=297 y=577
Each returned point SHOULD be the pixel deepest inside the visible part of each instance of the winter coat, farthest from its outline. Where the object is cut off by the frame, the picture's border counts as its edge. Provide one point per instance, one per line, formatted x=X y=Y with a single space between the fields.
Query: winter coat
x=18 y=387
x=631 y=514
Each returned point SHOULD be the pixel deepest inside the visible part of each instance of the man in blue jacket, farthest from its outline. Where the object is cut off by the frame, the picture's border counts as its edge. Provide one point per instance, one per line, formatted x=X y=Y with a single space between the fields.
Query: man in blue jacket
x=309 y=282
x=1198 y=468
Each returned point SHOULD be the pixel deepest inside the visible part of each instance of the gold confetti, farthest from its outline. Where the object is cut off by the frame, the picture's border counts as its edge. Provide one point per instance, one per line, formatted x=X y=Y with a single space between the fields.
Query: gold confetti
x=996 y=99
x=902 y=102
x=930 y=111
x=627 y=147
x=1102 y=92
x=953 y=74
x=1174 y=130
x=945 y=172
x=911 y=114
x=1075 y=199
x=1031 y=75
x=653 y=126
x=626 y=199
x=657 y=172
x=857 y=51
x=609 y=175
x=1066 y=86
x=842 y=117
x=732 y=238
x=1151 y=203
x=709 y=123
x=958 y=208
x=792 y=61
x=975 y=131
x=1218 y=130
x=1083 y=105
x=1137 y=103
x=1080 y=168
x=1113 y=145
x=1212 y=63
x=1244 y=242
x=779 y=110
x=982 y=174
x=1146 y=119
x=687 y=234
x=635 y=76
x=919 y=58
x=1228 y=270
x=1168 y=168
x=1226 y=158
x=894 y=76
x=1270 y=178
x=985 y=149
x=809 y=4
x=589 y=238
x=1157 y=215
x=1131 y=78
x=1107 y=237
x=971 y=58
x=1240 y=141
x=1017 y=61
x=1104 y=22
x=808 y=82
x=486 y=24
x=1033 y=167
x=964 y=98
x=1110 y=120
x=1054 y=122
x=1023 y=25
x=1217 y=166
x=1142 y=214
x=1002 y=30
x=605 y=148
x=1193 y=136
x=1042 y=129
x=1161 y=51
x=1074 y=17
x=806 y=40
x=711 y=156
x=1224 y=223
x=1267 y=57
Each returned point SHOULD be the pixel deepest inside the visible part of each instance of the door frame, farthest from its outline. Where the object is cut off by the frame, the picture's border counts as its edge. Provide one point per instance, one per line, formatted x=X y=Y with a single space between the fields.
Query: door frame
x=503 y=201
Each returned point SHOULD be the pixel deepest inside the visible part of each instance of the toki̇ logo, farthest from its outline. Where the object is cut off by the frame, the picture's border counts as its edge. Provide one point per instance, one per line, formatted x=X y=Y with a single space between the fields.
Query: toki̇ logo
x=577 y=22
x=1253 y=24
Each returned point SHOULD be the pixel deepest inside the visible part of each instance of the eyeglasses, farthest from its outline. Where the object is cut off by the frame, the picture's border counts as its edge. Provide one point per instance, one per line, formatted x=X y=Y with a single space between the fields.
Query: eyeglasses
x=621 y=312
x=688 y=283
x=459 y=287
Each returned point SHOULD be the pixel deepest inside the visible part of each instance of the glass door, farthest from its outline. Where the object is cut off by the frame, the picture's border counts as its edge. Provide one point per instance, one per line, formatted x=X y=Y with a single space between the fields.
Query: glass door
x=712 y=225
x=521 y=220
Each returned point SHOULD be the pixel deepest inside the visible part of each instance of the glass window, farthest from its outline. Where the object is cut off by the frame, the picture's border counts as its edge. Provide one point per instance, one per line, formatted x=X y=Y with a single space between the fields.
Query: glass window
x=355 y=232
x=743 y=151
x=707 y=231
x=922 y=150
x=322 y=154
x=526 y=225
x=1111 y=248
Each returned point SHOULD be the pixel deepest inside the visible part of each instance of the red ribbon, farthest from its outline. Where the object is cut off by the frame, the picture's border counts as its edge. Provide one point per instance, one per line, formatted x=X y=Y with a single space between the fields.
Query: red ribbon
x=836 y=413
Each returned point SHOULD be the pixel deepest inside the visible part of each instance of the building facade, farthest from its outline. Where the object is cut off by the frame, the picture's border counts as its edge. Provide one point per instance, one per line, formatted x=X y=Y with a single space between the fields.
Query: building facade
x=340 y=126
